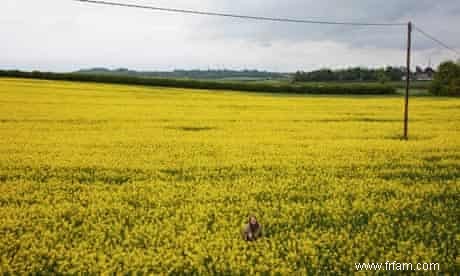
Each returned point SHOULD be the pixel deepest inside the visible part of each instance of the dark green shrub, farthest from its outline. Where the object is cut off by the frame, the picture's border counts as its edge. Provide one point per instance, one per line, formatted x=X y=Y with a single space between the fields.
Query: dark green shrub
x=446 y=80
x=330 y=89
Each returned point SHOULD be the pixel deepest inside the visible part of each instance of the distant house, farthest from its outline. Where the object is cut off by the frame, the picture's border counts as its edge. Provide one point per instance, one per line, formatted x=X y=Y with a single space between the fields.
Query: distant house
x=426 y=75
x=422 y=75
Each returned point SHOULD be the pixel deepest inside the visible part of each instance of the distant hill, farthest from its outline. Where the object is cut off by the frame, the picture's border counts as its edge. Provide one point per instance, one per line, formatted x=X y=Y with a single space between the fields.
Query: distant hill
x=243 y=75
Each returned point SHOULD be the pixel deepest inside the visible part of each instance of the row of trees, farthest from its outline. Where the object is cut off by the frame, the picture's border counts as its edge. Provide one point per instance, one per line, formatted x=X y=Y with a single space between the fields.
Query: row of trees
x=447 y=79
x=304 y=88
x=192 y=74
x=352 y=74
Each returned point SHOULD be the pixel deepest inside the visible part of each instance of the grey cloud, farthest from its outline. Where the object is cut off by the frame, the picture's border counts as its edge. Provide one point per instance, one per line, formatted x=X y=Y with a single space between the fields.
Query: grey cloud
x=440 y=17
x=66 y=35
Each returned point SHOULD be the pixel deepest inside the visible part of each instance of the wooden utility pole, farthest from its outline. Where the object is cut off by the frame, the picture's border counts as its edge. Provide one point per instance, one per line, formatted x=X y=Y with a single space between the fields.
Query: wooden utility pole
x=406 y=102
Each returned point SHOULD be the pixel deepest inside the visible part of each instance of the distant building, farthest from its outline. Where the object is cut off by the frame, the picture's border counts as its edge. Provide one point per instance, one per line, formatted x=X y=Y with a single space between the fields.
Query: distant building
x=422 y=75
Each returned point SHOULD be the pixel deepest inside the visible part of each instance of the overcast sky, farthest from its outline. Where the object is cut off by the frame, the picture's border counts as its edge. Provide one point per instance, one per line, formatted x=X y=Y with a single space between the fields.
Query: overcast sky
x=65 y=35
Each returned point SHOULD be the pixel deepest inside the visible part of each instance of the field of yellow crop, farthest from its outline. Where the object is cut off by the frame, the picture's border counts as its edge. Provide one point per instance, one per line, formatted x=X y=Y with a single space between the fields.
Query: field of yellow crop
x=104 y=178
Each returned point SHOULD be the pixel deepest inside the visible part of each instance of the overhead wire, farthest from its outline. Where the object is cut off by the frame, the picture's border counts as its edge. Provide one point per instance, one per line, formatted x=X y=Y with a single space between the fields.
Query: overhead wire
x=438 y=41
x=263 y=18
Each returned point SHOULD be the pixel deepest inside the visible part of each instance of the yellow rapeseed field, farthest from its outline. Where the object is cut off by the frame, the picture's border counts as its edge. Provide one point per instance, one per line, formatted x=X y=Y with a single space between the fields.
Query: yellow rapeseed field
x=103 y=178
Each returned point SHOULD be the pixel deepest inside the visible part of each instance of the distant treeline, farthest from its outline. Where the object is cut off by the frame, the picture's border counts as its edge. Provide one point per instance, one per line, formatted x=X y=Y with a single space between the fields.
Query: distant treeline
x=188 y=74
x=358 y=89
x=352 y=74
x=447 y=80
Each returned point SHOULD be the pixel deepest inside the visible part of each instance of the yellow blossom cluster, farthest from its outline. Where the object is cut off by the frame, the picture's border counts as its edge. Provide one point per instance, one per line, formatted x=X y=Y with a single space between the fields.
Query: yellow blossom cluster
x=116 y=179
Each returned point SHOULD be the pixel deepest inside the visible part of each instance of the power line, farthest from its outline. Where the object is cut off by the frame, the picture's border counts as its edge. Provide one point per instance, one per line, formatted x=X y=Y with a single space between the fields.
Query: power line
x=263 y=18
x=436 y=40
